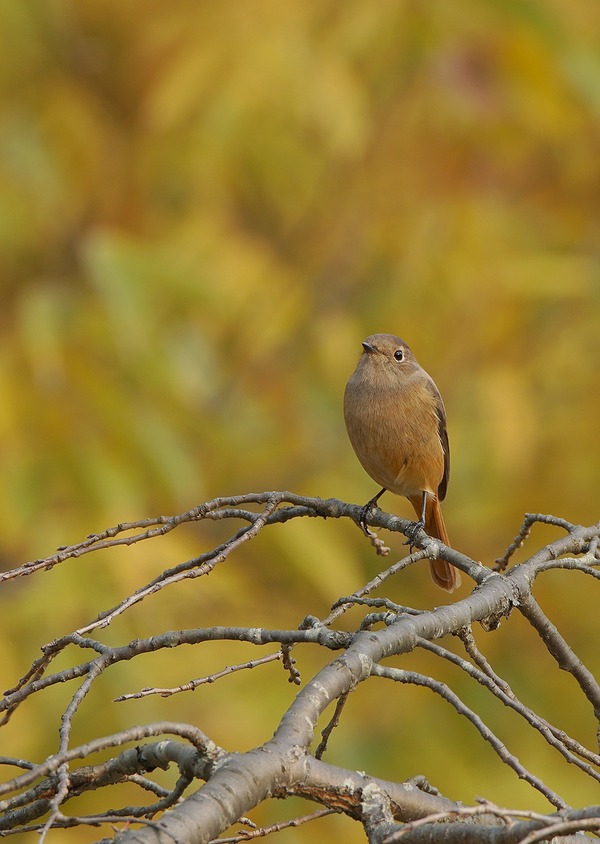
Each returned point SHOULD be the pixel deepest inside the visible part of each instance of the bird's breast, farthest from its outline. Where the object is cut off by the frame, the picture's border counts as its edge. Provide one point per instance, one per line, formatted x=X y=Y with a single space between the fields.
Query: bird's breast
x=394 y=432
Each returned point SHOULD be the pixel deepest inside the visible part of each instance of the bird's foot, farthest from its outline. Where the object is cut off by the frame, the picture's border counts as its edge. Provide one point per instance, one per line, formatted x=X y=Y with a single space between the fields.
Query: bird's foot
x=412 y=531
x=366 y=512
x=362 y=519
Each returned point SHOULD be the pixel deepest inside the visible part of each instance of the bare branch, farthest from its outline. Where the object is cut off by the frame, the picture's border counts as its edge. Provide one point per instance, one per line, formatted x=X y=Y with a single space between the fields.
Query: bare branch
x=333 y=723
x=412 y=677
x=524 y=533
x=570 y=749
x=208 y=749
x=171 y=639
x=192 y=685
x=284 y=765
x=250 y=835
x=561 y=651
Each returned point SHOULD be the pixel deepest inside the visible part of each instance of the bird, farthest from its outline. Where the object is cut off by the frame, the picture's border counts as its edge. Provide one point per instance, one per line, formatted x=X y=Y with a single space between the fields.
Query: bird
x=396 y=423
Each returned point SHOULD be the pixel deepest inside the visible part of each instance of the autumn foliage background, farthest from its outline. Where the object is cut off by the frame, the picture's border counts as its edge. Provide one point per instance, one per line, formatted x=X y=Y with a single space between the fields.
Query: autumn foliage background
x=204 y=208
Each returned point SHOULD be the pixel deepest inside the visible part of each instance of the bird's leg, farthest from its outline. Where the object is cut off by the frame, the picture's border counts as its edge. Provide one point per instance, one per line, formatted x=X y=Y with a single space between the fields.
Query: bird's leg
x=364 y=513
x=421 y=521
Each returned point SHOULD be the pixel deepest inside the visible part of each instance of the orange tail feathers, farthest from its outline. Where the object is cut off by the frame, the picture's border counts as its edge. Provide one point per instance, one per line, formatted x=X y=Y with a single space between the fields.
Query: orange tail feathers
x=442 y=572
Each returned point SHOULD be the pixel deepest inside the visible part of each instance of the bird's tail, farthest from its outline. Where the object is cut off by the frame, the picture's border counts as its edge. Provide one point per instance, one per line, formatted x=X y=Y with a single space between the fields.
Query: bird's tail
x=442 y=572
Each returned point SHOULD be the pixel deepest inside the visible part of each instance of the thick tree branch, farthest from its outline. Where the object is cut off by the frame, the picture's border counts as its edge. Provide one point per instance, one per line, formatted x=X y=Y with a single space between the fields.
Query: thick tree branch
x=284 y=765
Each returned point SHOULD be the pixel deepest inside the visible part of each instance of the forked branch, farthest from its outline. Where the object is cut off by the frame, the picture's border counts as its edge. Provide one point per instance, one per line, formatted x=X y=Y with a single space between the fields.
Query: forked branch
x=286 y=765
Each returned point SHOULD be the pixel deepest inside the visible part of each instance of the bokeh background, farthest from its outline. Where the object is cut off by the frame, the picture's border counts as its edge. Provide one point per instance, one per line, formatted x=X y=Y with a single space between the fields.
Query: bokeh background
x=204 y=208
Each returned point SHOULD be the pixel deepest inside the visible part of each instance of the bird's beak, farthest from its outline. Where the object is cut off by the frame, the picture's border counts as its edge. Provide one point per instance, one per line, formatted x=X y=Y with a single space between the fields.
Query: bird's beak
x=368 y=347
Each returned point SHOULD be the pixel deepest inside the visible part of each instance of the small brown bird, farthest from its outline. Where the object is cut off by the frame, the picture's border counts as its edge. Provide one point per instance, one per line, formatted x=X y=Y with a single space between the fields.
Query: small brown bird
x=396 y=422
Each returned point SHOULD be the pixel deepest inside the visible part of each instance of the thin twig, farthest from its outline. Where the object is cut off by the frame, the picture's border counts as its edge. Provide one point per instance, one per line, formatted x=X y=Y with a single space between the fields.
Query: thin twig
x=524 y=532
x=192 y=685
x=557 y=738
x=249 y=835
x=414 y=678
x=333 y=723
x=343 y=605
x=289 y=663
x=561 y=828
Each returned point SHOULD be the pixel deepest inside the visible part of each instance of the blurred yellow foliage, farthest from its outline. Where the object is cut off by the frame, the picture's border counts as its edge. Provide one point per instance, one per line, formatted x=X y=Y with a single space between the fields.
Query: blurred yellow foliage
x=204 y=208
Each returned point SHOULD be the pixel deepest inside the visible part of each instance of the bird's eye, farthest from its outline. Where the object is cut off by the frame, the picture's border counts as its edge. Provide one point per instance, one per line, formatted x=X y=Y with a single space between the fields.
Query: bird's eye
x=399 y=354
